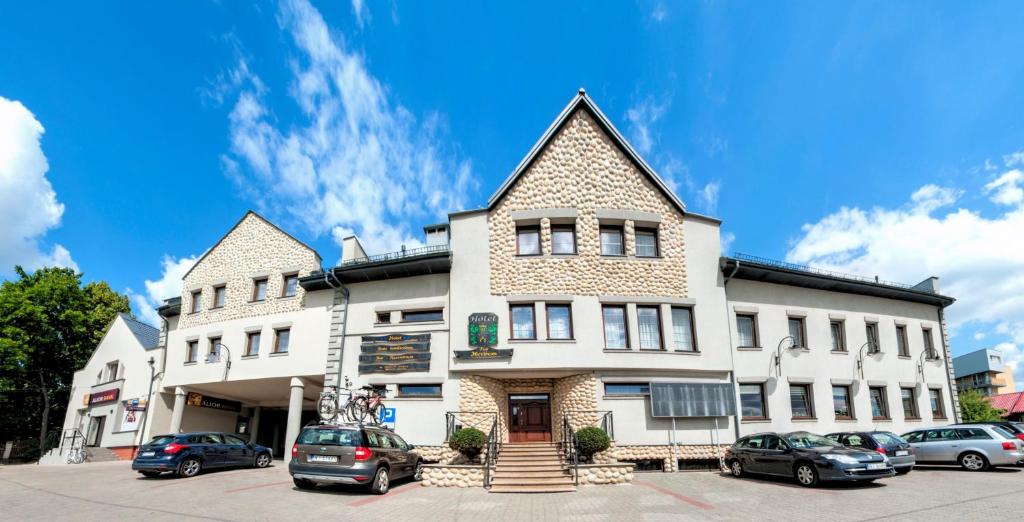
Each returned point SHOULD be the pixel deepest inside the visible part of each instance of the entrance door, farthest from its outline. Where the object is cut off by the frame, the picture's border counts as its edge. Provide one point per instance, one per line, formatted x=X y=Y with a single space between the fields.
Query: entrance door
x=95 y=435
x=529 y=418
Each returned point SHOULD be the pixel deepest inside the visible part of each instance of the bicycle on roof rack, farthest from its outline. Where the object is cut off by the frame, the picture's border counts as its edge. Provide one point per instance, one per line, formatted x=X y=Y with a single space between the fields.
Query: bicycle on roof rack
x=366 y=404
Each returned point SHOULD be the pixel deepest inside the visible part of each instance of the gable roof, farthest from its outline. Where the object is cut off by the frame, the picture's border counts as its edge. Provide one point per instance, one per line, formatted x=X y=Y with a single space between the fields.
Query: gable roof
x=148 y=336
x=1011 y=402
x=240 y=221
x=583 y=102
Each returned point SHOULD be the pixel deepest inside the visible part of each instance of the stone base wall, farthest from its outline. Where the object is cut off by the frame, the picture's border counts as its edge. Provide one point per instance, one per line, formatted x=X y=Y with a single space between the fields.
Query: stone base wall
x=606 y=473
x=440 y=454
x=667 y=454
x=449 y=476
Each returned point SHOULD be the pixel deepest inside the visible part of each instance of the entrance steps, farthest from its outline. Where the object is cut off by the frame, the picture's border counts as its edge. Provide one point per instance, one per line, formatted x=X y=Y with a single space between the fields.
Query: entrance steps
x=531 y=468
x=56 y=457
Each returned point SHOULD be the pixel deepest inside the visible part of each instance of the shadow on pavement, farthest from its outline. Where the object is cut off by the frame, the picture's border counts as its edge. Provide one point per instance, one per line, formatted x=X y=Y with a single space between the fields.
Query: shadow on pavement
x=954 y=467
x=789 y=482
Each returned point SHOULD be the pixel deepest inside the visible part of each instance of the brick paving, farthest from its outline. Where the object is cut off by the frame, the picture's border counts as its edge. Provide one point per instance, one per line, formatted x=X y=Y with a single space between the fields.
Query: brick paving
x=111 y=491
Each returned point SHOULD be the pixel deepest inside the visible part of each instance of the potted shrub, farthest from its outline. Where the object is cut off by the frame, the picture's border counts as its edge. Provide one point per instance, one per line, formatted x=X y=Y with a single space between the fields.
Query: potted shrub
x=469 y=442
x=592 y=440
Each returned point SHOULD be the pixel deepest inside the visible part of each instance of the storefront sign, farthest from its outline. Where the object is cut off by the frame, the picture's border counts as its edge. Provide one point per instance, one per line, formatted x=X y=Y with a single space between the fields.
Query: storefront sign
x=203 y=401
x=483 y=353
x=398 y=353
x=483 y=329
x=103 y=396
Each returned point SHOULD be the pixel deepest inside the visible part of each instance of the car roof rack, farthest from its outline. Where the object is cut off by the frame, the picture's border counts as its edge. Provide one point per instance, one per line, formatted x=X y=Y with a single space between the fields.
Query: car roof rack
x=349 y=425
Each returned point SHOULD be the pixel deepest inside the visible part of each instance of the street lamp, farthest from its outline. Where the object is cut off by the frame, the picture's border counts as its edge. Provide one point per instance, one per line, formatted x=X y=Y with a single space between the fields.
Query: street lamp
x=778 y=353
x=860 y=358
x=149 y=398
x=922 y=357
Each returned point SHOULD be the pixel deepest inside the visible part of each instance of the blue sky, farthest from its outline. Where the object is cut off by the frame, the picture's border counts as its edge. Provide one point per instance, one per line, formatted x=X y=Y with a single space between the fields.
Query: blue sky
x=879 y=138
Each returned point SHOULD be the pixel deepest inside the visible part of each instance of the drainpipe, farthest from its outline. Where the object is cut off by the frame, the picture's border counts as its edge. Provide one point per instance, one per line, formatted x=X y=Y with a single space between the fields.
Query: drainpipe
x=732 y=355
x=344 y=319
x=946 y=362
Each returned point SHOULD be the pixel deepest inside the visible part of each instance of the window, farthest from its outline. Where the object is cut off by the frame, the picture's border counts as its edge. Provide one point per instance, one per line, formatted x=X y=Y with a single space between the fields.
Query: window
x=879 y=405
x=901 y=341
x=649 y=326
x=282 y=338
x=252 y=343
x=909 y=399
x=110 y=372
x=752 y=402
x=838 y=336
x=771 y=442
x=612 y=243
x=914 y=436
x=995 y=359
x=191 y=351
x=940 y=435
x=841 y=403
x=523 y=322
x=800 y=401
x=972 y=434
x=290 y=286
x=646 y=242
x=615 y=332
x=383 y=317
x=197 y=301
x=422 y=316
x=797 y=332
x=559 y=321
x=214 y=350
x=231 y=439
x=929 y=347
x=259 y=289
x=871 y=329
x=563 y=239
x=682 y=330
x=935 y=400
x=746 y=329
x=528 y=241
x=419 y=390
x=627 y=388
x=219 y=296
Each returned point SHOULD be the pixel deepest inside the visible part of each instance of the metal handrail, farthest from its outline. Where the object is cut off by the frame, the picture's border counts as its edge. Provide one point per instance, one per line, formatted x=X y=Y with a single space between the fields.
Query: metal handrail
x=570 y=448
x=605 y=421
x=58 y=439
x=454 y=419
x=493 y=448
x=401 y=254
x=819 y=271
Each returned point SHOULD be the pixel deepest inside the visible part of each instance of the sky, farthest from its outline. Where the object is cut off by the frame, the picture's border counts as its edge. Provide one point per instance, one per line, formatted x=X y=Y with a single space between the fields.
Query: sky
x=875 y=138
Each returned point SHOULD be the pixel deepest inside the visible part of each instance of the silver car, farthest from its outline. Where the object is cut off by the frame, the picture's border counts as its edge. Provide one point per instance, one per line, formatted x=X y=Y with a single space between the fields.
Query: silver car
x=975 y=447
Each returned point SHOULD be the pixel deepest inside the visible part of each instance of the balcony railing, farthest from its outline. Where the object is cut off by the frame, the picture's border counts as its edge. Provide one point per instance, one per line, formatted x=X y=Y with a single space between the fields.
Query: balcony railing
x=818 y=271
x=401 y=254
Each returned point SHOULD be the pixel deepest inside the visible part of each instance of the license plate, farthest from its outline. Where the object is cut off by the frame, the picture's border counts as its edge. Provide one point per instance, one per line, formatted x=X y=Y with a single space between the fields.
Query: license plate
x=148 y=453
x=902 y=453
x=876 y=465
x=323 y=458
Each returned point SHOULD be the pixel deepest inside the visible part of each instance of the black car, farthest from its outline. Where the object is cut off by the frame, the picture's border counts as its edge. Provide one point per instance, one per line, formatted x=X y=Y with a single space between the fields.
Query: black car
x=899 y=451
x=186 y=454
x=807 y=457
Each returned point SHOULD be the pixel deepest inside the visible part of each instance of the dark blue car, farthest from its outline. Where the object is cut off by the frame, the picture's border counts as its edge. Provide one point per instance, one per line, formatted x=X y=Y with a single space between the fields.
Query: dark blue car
x=187 y=454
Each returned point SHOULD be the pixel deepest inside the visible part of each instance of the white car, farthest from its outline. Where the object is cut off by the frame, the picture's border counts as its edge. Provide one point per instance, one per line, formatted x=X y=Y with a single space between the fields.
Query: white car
x=975 y=447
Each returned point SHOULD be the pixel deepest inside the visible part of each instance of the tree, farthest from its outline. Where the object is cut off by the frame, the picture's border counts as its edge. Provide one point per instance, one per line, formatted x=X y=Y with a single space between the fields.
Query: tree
x=49 y=326
x=974 y=407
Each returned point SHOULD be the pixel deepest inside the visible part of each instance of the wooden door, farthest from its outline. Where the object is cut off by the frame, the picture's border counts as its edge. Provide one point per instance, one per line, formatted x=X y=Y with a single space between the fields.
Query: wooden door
x=529 y=418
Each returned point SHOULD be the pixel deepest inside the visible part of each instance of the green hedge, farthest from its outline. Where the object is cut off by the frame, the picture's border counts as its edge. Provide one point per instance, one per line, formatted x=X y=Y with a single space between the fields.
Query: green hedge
x=592 y=440
x=468 y=441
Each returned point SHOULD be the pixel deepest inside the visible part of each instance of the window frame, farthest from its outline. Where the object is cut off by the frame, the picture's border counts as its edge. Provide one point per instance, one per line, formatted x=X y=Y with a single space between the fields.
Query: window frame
x=941 y=412
x=197 y=301
x=693 y=329
x=653 y=231
x=809 y=401
x=399 y=391
x=618 y=229
x=512 y=322
x=222 y=291
x=625 y=326
x=869 y=327
x=884 y=397
x=843 y=348
x=256 y=286
x=378 y=315
x=547 y=320
x=753 y=325
x=764 y=402
x=192 y=351
x=638 y=384
x=562 y=227
x=659 y=330
x=277 y=340
x=522 y=229
x=802 y=322
x=929 y=344
x=916 y=414
x=249 y=344
x=431 y=310
x=849 y=402
x=902 y=341
x=284 y=284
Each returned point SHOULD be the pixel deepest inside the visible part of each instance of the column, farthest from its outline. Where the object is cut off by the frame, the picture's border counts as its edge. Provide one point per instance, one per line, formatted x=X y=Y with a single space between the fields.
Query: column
x=294 y=417
x=254 y=426
x=179 y=409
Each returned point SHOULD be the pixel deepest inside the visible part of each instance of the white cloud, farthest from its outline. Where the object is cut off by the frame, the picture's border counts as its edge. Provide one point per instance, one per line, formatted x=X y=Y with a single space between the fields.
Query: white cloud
x=354 y=160
x=1006 y=189
x=709 y=196
x=361 y=11
x=641 y=116
x=28 y=203
x=660 y=12
x=167 y=286
x=979 y=336
x=726 y=240
x=1012 y=159
x=980 y=259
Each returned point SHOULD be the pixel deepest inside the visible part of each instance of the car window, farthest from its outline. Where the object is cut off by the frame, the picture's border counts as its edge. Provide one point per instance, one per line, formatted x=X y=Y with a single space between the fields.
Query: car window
x=385 y=441
x=162 y=439
x=1003 y=431
x=803 y=439
x=374 y=439
x=855 y=439
x=834 y=437
x=211 y=438
x=756 y=442
x=887 y=439
x=773 y=443
x=400 y=442
x=940 y=435
x=231 y=439
x=1018 y=427
x=330 y=437
x=914 y=436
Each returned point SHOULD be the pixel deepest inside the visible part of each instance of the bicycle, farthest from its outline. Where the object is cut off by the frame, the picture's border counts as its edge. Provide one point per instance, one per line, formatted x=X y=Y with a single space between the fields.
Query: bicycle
x=361 y=406
x=77 y=455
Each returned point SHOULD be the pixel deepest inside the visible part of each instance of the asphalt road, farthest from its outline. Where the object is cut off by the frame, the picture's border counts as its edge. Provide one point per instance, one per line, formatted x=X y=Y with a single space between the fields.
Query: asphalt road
x=111 y=491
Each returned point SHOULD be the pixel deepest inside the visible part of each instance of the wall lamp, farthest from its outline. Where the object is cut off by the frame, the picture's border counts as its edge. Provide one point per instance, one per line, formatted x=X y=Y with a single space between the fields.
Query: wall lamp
x=778 y=352
x=860 y=358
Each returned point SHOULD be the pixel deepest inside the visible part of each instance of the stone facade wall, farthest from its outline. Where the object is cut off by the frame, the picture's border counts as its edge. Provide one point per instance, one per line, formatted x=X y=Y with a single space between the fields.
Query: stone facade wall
x=253 y=248
x=667 y=454
x=453 y=476
x=575 y=393
x=591 y=474
x=582 y=169
x=436 y=454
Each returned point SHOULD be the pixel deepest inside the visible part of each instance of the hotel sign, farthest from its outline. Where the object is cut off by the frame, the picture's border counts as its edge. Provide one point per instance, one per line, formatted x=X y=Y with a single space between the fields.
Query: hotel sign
x=399 y=353
x=483 y=337
x=203 y=401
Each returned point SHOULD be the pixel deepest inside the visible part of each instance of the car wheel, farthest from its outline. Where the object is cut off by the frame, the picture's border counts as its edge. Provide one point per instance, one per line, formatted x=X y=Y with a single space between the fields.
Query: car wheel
x=189 y=467
x=303 y=483
x=380 y=483
x=417 y=473
x=736 y=468
x=805 y=474
x=262 y=460
x=904 y=471
x=150 y=474
x=972 y=461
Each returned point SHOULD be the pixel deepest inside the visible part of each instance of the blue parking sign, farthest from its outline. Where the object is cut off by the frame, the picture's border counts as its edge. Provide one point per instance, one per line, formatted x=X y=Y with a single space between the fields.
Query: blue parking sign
x=388 y=415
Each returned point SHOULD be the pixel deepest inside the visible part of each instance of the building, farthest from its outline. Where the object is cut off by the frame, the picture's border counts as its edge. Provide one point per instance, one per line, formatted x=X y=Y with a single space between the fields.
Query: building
x=1012 y=405
x=985 y=371
x=584 y=293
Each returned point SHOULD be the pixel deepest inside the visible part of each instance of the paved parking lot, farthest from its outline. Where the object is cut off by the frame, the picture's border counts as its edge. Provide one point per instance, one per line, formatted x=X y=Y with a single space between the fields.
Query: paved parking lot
x=111 y=491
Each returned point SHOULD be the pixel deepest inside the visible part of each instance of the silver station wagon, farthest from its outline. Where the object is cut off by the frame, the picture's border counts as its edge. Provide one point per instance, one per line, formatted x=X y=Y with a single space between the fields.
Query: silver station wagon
x=975 y=447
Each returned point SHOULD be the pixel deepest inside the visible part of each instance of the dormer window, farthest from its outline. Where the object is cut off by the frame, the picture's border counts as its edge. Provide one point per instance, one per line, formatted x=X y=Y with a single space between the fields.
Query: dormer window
x=259 y=289
x=528 y=241
x=197 y=301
